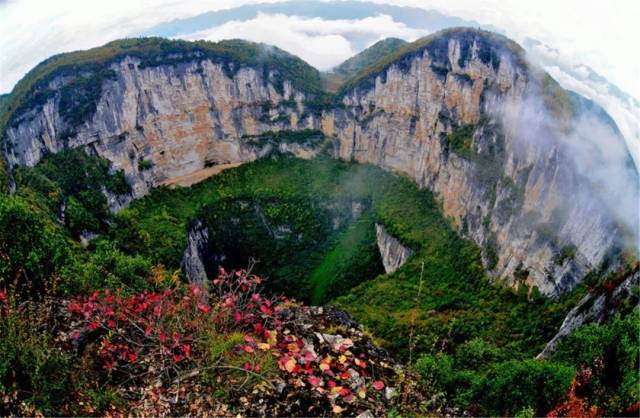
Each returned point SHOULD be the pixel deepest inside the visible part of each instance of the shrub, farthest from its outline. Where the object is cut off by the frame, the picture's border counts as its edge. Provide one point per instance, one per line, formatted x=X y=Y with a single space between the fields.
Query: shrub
x=144 y=165
x=610 y=351
x=436 y=369
x=30 y=365
x=476 y=354
x=32 y=248
x=108 y=267
x=568 y=252
x=515 y=385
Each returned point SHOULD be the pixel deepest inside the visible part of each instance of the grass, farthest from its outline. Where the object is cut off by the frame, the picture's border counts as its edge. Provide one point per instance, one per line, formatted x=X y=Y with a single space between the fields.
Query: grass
x=356 y=245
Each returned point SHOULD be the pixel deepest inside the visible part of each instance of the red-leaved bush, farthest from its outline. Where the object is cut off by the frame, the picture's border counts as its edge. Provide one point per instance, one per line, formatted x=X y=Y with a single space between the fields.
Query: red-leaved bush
x=159 y=327
x=158 y=335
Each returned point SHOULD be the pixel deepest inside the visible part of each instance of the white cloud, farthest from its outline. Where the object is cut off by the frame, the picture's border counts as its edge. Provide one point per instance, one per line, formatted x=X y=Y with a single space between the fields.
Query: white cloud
x=322 y=43
x=625 y=116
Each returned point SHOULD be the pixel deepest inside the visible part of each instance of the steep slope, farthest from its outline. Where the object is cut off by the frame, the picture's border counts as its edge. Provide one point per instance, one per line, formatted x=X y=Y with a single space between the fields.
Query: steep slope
x=464 y=114
x=460 y=112
x=156 y=108
x=368 y=57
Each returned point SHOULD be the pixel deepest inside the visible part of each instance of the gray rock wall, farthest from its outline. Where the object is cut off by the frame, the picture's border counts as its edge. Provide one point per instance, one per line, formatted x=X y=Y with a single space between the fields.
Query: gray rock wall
x=392 y=252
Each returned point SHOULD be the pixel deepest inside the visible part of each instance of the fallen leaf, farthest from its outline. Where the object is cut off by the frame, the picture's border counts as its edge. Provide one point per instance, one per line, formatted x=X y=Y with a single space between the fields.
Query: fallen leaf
x=290 y=365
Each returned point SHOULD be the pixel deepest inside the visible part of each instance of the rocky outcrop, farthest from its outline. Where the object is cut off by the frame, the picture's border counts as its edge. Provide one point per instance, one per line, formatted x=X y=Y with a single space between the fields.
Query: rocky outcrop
x=195 y=254
x=393 y=253
x=461 y=113
x=595 y=308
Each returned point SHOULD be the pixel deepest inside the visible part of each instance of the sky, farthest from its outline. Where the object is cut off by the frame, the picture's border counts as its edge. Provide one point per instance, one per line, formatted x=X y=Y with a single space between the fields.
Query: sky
x=600 y=34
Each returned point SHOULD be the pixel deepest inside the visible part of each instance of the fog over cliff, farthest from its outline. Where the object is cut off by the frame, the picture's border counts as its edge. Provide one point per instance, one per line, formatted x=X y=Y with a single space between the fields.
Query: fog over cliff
x=593 y=147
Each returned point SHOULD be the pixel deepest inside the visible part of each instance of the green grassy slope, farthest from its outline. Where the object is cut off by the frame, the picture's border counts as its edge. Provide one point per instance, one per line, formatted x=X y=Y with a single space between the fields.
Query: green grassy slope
x=369 y=56
x=472 y=339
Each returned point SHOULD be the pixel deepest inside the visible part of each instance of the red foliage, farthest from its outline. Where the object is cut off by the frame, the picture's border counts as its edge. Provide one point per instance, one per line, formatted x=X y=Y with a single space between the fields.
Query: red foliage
x=573 y=405
x=157 y=332
x=135 y=328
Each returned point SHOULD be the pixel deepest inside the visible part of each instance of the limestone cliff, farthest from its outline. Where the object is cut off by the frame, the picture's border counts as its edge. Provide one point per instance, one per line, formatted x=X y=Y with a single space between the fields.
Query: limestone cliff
x=193 y=259
x=392 y=252
x=451 y=114
x=452 y=111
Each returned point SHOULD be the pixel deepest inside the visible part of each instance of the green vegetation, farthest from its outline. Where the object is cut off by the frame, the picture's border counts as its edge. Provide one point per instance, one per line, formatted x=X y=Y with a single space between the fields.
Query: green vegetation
x=310 y=223
x=70 y=184
x=294 y=216
x=556 y=98
x=568 y=252
x=354 y=259
x=368 y=57
x=610 y=352
x=460 y=141
x=304 y=136
x=27 y=351
x=144 y=165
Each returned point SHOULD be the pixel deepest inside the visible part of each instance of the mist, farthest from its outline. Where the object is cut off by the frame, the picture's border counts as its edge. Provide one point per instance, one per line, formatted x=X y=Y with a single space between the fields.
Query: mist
x=593 y=165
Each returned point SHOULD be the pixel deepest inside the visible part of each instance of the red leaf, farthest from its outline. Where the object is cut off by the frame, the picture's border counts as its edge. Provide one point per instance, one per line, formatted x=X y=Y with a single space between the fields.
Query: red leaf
x=266 y=310
x=314 y=381
x=132 y=357
x=378 y=385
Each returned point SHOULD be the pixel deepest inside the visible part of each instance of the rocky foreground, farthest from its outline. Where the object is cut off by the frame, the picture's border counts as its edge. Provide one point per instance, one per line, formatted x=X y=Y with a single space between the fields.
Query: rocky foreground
x=220 y=349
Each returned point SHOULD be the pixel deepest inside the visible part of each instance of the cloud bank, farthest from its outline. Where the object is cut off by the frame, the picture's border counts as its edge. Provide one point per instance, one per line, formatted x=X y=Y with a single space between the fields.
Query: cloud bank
x=322 y=43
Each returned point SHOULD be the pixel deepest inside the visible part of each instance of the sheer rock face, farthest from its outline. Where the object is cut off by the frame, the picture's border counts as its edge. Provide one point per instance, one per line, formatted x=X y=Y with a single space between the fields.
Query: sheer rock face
x=392 y=252
x=179 y=118
x=516 y=199
x=193 y=260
